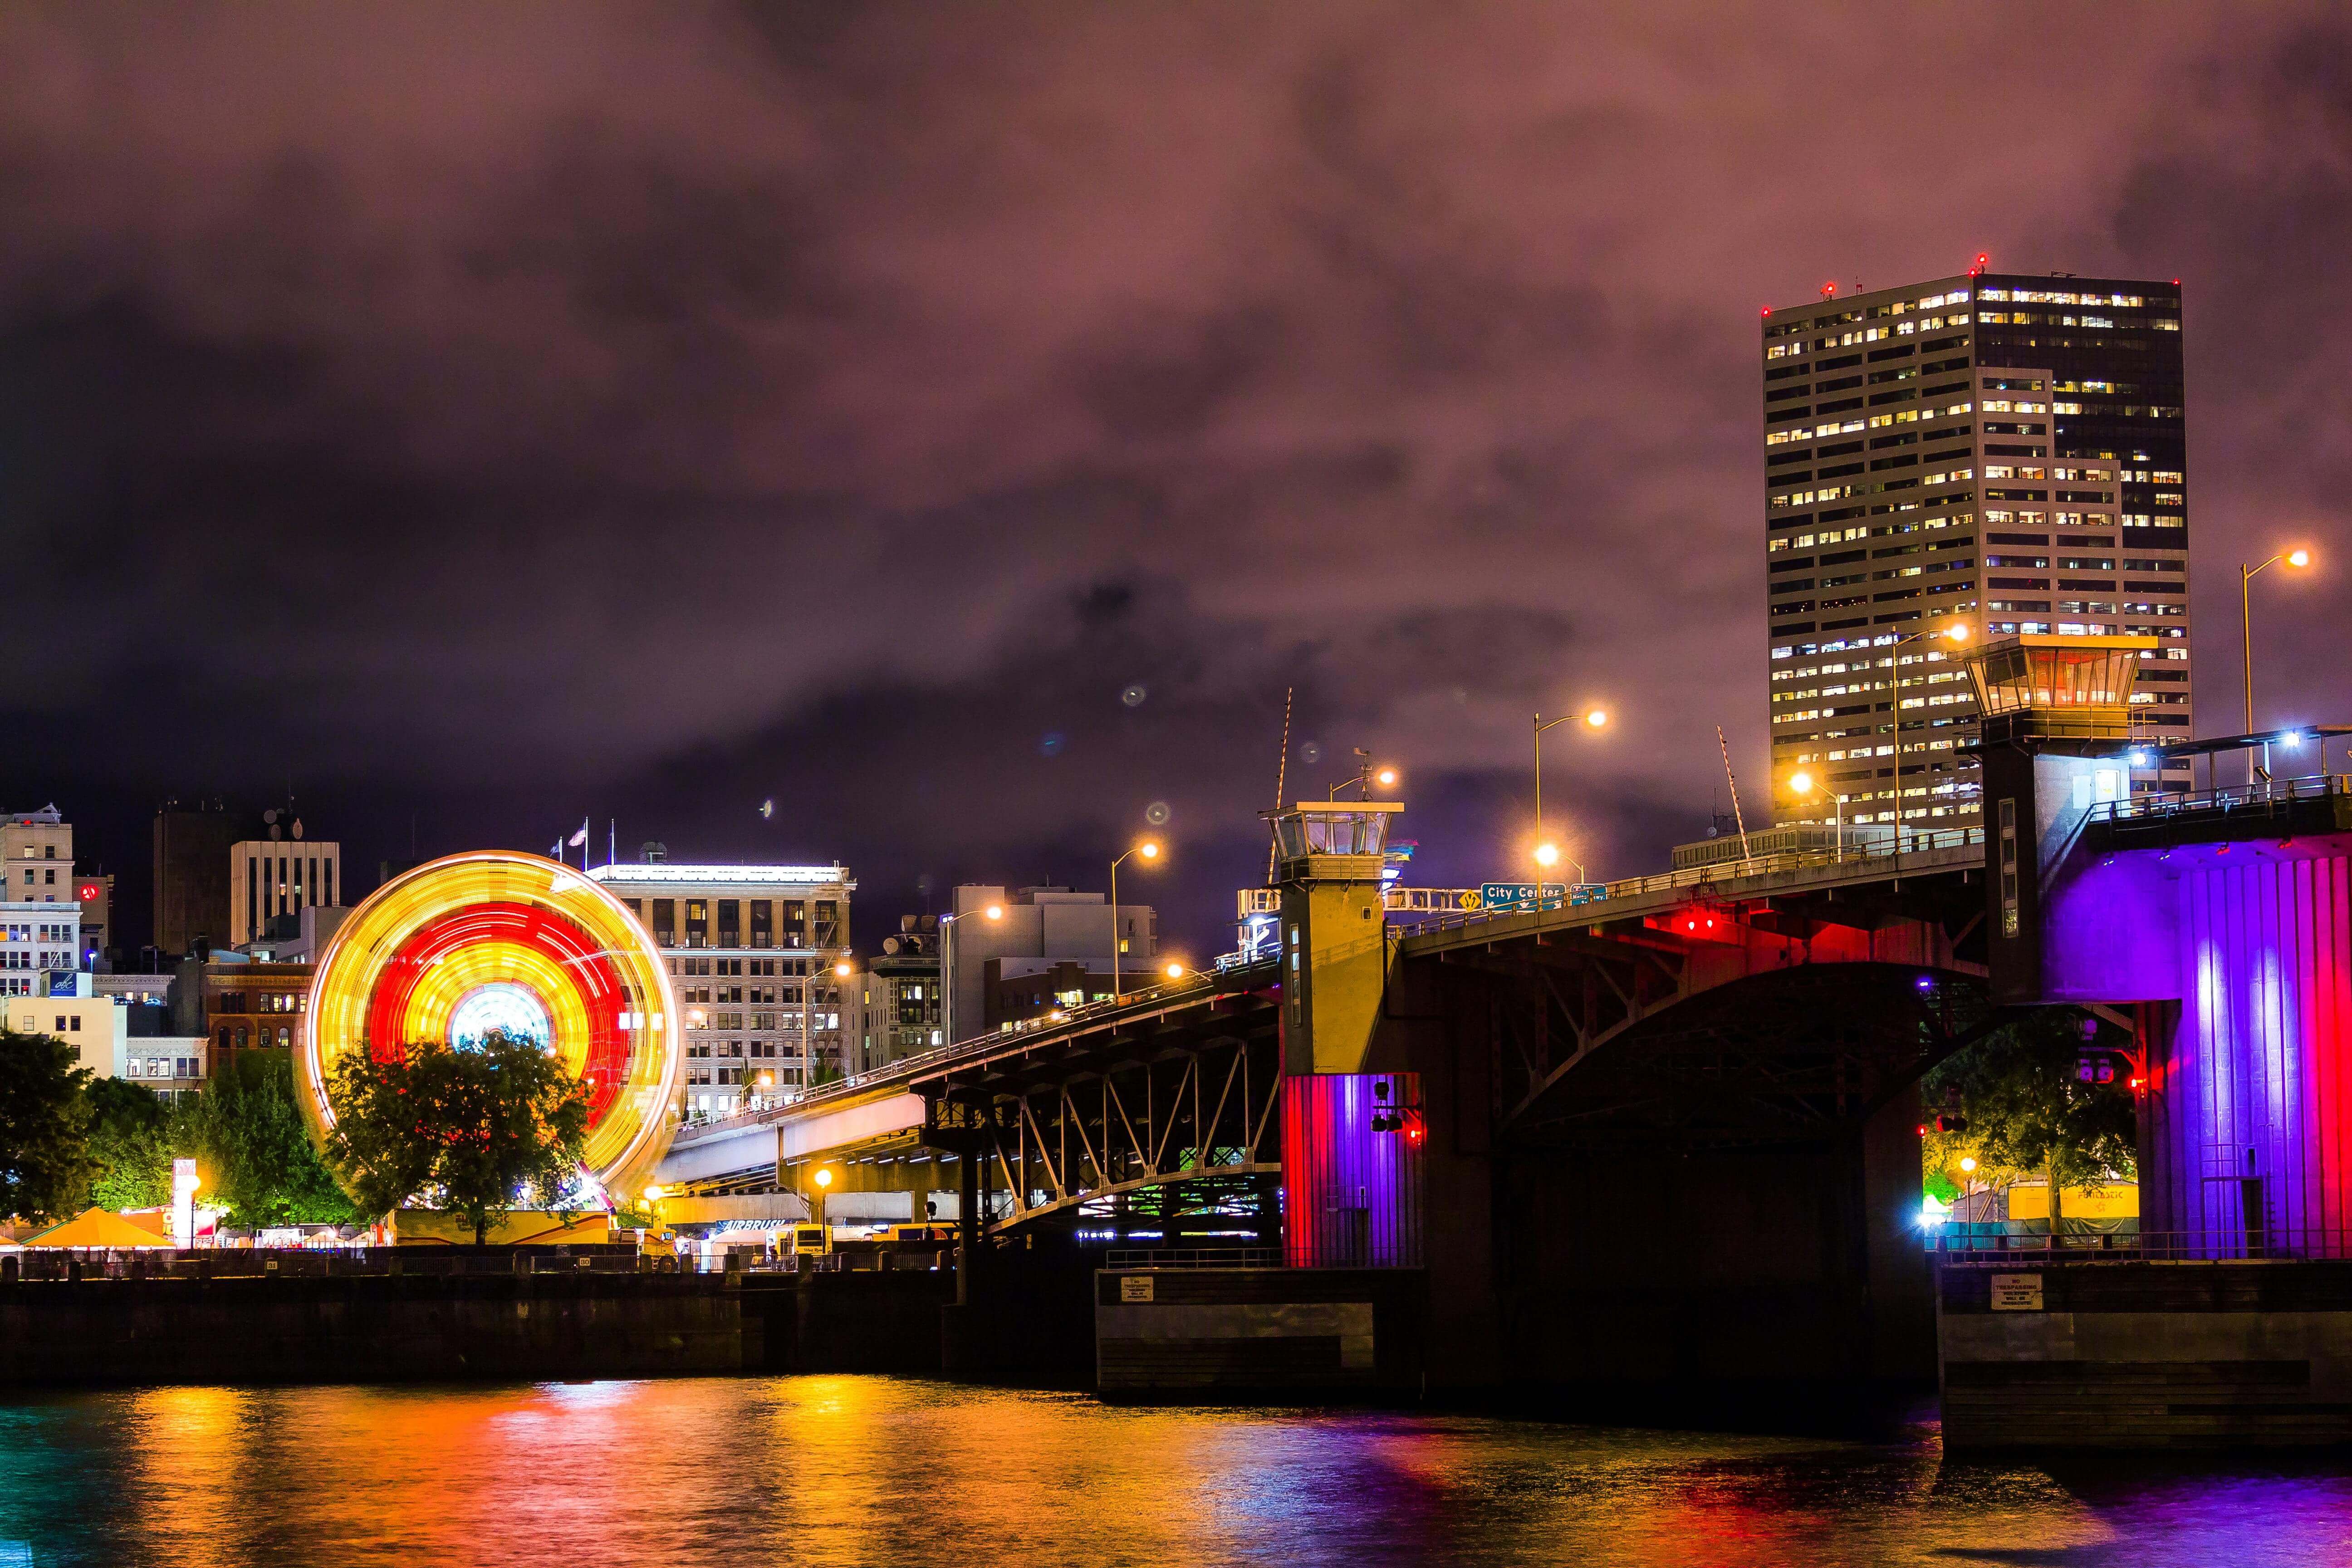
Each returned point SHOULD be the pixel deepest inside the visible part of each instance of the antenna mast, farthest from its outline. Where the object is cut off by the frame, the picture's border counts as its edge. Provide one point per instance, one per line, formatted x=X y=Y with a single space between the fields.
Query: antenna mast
x=1281 y=776
x=1735 y=816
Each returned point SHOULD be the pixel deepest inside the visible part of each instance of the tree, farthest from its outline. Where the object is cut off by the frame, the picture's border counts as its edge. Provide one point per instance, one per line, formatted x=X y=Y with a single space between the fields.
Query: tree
x=45 y=1164
x=253 y=1148
x=132 y=1139
x=483 y=1125
x=2028 y=1111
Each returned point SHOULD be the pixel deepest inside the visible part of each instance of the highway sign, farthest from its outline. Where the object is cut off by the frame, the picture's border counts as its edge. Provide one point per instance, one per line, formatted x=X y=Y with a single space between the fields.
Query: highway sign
x=1505 y=895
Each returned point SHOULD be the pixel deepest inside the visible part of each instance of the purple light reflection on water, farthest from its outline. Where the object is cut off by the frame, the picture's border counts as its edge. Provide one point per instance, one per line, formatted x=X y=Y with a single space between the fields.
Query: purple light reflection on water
x=869 y=1469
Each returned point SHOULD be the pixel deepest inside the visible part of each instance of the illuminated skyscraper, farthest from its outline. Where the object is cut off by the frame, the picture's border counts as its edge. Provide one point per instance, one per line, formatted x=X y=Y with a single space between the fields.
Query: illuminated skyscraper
x=2002 y=452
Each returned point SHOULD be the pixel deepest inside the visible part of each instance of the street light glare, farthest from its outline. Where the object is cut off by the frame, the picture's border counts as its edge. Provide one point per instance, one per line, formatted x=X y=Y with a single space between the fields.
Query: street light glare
x=1175 y=972
x=842 y=970
x=1957 y=633
x=1385 y=777
x=994 y=911
x=1147 y=849
x=823 y=1177
x=1596 y=718
x=1546 y=853
x=1800 y=782
x=2298 y=558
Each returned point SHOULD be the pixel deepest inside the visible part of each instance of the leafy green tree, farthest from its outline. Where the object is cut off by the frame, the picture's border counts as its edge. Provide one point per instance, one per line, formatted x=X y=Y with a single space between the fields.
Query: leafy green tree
x=131 y=1138
x=2029 y=1113
x=45 y=1164
x=253 y=1148
x=481 y=1126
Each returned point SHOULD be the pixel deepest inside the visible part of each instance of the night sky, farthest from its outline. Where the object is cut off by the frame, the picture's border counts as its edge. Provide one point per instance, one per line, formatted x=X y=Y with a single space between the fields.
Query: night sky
x=481 y=417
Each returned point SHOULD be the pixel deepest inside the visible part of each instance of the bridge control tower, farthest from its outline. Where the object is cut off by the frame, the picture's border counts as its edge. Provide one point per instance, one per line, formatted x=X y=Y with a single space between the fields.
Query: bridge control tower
x=2057 y=742
x=1328 y=856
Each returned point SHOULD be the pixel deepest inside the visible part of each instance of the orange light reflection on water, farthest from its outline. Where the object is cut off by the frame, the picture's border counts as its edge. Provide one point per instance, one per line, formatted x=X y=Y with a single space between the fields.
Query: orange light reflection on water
x=816 y=1470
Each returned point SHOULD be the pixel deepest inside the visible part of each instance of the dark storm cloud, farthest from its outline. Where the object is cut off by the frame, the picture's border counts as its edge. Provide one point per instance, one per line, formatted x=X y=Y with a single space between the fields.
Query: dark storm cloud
x=472 y=409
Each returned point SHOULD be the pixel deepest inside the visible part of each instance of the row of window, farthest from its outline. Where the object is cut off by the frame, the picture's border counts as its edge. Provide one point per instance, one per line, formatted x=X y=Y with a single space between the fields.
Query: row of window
x=262 y=1002
x=729 y=927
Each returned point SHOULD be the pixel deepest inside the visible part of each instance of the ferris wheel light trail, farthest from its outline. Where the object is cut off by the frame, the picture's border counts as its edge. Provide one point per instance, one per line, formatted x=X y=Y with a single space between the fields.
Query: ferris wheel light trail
x=495 y=940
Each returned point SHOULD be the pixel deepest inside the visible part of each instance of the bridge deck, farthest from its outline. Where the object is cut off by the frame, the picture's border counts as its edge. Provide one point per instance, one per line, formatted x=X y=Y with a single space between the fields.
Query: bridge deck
x=703 y=1150
x=1806 y=872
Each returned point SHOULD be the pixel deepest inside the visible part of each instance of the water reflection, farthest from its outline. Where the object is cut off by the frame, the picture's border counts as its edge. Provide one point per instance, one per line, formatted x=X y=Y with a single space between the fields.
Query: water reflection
x=879 y=1470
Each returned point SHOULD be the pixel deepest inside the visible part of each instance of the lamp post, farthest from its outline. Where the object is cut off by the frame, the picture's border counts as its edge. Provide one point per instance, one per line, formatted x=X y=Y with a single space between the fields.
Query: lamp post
x=1957 y=632
x=2298 y=559
x=1594 y=719
x=824 y=1180
x=1800 y=782
x=948 y=943
x=1548 y=855
x=1365 y=776
x=1150 y=849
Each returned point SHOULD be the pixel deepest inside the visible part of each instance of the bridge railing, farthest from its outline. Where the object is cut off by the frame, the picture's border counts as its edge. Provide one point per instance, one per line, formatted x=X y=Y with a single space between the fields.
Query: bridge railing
x=2261 y=797
x=1872 y=853
x=1953 y=1243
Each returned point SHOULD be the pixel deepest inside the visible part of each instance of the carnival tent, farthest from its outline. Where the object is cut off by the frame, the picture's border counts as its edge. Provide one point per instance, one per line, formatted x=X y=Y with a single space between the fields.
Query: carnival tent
x=96 y=1227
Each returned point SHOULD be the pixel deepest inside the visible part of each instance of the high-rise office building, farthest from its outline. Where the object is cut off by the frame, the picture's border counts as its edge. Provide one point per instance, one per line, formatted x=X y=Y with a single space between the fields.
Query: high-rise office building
x=2000 y=452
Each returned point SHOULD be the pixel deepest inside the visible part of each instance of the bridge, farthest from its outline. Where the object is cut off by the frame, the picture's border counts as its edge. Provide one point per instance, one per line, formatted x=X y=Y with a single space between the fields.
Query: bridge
x=1095 y=1098
x=1667 y=1131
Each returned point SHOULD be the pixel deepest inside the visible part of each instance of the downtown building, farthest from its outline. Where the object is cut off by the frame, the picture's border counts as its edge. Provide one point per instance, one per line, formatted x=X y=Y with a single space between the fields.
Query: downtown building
x=753 y=953
x=2000 y=451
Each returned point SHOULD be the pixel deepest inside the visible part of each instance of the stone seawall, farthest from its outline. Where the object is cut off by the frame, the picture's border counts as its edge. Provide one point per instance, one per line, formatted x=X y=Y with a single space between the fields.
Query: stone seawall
x=2147 y=1355
x=373 y=1329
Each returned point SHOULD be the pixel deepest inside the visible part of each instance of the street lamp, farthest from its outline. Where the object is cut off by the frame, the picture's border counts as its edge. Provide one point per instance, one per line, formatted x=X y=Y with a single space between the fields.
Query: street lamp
x=1957 y=632
x=1593 y=718
x=824 y=1180
x=1366 y=775
x=1548 y=855
x=1149 y=849
x=1801 y=784
x=948 y=945
x=2298 y=559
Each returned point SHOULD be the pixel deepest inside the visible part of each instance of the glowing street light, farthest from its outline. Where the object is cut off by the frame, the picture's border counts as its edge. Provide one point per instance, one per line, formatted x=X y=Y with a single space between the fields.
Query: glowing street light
x=1149 y=849
x=1801 y=785
x=1368 y=773
x=1594 y=719
x=950 y=943
x=2297 y=558
x=1548 y=854
x=1174 y=972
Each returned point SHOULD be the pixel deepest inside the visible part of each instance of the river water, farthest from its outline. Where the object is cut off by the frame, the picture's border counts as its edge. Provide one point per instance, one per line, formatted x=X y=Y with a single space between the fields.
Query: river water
x=819 y=1470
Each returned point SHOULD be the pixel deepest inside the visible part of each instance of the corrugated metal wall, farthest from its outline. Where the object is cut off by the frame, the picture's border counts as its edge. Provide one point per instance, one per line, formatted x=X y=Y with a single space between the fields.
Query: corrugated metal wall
x=2252 y=1085
x=1351 y=1196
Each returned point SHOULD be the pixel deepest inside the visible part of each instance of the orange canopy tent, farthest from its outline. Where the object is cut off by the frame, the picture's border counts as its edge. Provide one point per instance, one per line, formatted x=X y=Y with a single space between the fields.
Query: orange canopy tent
x=96 y=1227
